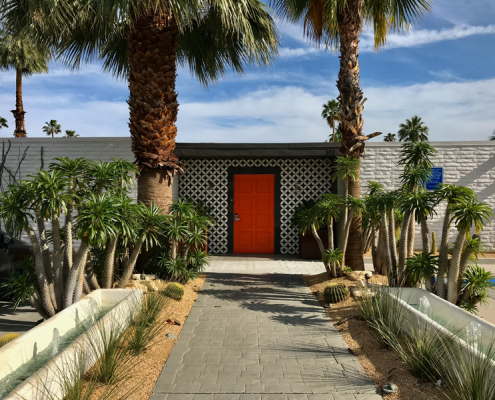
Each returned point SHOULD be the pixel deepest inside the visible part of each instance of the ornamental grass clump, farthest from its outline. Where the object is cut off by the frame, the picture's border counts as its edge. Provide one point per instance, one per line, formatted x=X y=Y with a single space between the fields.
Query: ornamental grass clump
x=467 y=375
x=335 y=293
x=384 y=314
x=146 y=325
x=174 y=291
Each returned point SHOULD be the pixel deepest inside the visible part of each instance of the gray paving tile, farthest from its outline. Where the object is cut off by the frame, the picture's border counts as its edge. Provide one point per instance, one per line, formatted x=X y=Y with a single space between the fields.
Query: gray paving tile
x=260 y=337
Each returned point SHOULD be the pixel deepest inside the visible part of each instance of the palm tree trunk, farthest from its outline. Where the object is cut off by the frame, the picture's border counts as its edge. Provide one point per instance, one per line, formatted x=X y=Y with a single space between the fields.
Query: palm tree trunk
x=91 y=278
x=47 y=259
x=443 y=258
x=333 y=134
x=345 y=240
x=78 y=290
x=127 y=272
x=69 y=245
x=20 y=125
x=330 y=234
x=153 y=106
x=351 y=109
x=108 y=269
x=379 y=267
x=454 y=269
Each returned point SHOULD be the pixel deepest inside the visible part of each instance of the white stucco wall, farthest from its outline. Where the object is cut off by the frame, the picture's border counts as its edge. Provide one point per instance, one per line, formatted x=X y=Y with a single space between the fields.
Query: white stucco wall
x=470 y=164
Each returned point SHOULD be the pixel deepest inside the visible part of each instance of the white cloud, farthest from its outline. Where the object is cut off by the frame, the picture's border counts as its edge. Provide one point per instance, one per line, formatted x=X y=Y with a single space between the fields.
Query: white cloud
x=412 y=38
x=453 y=111
x=445 y=75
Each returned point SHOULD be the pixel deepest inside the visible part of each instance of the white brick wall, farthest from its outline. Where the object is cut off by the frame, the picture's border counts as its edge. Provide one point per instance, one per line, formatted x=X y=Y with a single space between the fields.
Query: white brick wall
x=469 y=164
x=465 y=163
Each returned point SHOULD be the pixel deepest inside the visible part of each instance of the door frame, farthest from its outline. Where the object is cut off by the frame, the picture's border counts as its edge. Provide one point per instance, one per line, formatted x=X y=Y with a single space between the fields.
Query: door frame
x=231 y=171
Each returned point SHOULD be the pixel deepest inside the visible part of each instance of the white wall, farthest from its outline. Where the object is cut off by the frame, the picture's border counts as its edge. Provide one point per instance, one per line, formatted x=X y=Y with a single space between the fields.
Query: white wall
x=469 y=164
x=465 y=163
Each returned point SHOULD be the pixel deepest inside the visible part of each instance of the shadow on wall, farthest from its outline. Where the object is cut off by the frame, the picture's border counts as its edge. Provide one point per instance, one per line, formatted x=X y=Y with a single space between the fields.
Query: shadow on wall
x=476 y=173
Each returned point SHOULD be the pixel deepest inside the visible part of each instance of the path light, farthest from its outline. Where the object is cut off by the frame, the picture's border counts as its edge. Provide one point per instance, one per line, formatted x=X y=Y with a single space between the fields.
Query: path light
x=389 y=388
x=367 y=277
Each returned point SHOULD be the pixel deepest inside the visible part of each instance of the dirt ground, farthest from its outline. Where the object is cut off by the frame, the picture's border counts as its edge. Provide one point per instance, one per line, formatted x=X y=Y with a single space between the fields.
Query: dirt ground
x=381 y=364
x=146 y=368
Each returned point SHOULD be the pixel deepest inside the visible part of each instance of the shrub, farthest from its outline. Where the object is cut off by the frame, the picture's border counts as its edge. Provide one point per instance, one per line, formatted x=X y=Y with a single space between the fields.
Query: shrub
x=335 y=293
x=8 y=338
x=174 y=291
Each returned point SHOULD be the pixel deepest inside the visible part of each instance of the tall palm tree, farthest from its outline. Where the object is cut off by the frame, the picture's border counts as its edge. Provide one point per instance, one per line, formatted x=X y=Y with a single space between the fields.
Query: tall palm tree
x=331 y=114
x=3 y=123
x=338 y=23
x=413 y=130
x=22 y=54
x=390 y=137
x=52 y=128
x=143 y=41
x=69 y=133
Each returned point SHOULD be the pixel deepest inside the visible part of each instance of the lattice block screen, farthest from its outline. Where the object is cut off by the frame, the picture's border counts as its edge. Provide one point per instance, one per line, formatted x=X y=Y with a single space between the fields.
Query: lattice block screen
x=301 y=179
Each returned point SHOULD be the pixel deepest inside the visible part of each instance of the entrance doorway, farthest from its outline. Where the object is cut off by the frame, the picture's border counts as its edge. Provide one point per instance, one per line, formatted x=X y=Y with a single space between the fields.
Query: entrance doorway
x=254 y=227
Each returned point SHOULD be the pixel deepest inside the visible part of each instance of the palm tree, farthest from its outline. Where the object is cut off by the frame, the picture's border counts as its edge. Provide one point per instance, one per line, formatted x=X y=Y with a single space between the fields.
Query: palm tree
x=22 y=54
x=3 y=123
x=69 y=133
x=52 y=128
x=492 y=136
x=466 y=214
x=413 y=130
x=390 y=137
x=331 y=114
x=339 y=23
x=144 y=42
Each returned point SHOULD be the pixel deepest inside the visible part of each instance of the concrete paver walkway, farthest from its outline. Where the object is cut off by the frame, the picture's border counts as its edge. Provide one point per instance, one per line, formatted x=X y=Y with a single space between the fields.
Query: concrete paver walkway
x=260 y=337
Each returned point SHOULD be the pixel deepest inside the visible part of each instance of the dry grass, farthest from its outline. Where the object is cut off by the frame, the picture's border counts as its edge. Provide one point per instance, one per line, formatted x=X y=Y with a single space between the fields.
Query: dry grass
x=381 y=364
x=146 y=368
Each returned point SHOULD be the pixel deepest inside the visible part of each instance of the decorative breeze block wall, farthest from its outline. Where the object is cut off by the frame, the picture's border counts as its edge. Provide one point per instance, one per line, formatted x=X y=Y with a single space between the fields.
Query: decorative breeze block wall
x=312 y=175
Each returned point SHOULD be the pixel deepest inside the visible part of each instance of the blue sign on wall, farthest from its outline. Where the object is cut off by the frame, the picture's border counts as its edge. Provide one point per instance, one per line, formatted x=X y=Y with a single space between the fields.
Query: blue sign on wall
x=435 y=179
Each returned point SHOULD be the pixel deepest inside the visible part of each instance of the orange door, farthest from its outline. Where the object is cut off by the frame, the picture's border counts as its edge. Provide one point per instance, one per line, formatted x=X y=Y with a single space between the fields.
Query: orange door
x=254 y=229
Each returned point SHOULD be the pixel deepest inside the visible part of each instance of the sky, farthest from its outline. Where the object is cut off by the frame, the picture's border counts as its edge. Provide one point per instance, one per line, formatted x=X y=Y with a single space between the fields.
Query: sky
x=442 y=70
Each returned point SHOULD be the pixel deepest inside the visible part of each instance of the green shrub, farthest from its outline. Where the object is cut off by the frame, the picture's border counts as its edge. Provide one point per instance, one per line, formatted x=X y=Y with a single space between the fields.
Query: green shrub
x=335 y=293
x=8 y=338
x=174 y=291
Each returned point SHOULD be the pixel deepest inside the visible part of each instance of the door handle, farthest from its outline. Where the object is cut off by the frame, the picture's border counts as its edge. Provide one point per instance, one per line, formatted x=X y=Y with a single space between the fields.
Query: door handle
x=236 y=217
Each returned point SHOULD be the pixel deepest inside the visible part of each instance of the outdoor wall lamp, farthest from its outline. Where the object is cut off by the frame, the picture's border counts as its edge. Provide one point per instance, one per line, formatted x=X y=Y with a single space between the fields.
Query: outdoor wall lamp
x=209 y=188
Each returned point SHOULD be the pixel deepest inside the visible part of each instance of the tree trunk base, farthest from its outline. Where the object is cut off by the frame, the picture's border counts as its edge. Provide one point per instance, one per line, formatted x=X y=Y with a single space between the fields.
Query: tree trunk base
x=154 y=186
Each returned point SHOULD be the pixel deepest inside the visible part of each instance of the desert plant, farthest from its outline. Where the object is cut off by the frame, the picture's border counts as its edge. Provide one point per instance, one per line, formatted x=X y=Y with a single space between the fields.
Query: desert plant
x=421 y=268
x=467 y=375
x=384 y=314
x=8 y=338
x=333 y=257
x=434 y=248
x=474 y=291
x=466 y=213
x=422 y=349
x=174 y=291
x=145 y=327
x=335 y=293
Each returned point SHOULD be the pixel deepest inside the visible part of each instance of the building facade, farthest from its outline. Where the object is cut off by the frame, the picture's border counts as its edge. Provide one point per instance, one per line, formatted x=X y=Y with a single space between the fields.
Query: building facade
x=264 y=183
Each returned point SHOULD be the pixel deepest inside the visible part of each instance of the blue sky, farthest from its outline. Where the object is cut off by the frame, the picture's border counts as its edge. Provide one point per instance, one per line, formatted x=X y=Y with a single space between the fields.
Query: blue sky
x=442 y=70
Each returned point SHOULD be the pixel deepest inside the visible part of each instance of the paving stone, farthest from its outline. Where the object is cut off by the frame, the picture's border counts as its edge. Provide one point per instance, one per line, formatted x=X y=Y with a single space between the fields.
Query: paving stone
x=269 y=341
